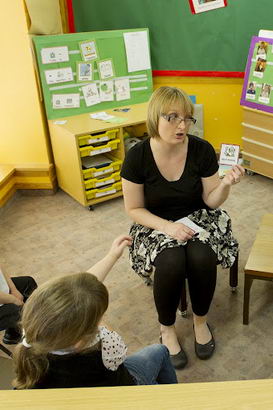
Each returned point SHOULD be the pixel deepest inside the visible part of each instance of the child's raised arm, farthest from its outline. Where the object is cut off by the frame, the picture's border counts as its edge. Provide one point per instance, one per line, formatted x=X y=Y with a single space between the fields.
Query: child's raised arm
x=103 y=267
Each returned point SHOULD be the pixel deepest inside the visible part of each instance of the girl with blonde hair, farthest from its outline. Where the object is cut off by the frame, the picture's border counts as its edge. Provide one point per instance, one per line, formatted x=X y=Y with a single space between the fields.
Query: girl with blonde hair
x=64 y=344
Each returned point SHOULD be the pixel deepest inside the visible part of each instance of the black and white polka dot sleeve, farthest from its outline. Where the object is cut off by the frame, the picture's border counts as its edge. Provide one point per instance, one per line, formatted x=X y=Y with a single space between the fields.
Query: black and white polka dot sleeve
x=113 y=348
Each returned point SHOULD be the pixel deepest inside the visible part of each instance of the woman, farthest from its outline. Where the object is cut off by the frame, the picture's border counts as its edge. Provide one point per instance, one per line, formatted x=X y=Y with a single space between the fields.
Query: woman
x=166 y=177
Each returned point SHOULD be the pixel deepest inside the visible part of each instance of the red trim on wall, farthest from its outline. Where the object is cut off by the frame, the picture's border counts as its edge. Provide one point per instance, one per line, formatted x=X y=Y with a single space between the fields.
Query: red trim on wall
x=70 y=16
x=173 y=73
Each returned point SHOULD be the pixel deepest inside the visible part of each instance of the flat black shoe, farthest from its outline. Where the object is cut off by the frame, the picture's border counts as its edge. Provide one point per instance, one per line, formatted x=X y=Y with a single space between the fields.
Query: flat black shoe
x=205 y=351
x=12 y=338
x=178 y=360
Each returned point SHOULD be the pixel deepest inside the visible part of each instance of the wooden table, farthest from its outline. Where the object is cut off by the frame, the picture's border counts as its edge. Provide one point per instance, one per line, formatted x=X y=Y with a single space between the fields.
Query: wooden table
x=260 y=261
x=235 y=395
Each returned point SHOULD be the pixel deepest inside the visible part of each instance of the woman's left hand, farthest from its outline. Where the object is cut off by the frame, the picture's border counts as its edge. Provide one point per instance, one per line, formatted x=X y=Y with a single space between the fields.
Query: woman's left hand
x=234 y=175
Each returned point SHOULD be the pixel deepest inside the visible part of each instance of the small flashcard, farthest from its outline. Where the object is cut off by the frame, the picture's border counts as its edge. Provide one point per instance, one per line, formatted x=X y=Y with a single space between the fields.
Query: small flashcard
x=91 y=94
x=60 y=122
x=59 y=75
x=190 y=224
x=89 y=50
x=264 y=96
x=122 y=88
x=54 y=55
x=65 y=101
x=229 y=154
x=84 y=71
x=199 y=6
x=106 y=69
x=102 y=115
x=107 y=90
x=251 y=90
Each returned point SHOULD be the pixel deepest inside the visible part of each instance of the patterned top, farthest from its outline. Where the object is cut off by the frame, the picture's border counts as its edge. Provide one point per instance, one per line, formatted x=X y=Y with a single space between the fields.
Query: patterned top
x=113 y=348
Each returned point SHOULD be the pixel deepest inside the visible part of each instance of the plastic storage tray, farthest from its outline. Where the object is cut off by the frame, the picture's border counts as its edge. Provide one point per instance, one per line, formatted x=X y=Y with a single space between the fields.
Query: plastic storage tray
x=98 y=137
x=95 y=150
x=98 y=182
x=96 y=172
x=97 y=193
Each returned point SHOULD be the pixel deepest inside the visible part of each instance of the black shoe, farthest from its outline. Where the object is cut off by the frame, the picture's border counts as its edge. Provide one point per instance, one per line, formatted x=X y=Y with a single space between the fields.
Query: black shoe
x=205 y=351
x=12 y=337
x=178 y=360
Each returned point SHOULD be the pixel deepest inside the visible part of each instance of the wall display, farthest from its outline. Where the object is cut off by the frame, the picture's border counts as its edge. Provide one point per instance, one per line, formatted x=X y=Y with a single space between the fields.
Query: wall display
x=84 y=71
x=258 y=83
x=199 y=6
x=91 y=71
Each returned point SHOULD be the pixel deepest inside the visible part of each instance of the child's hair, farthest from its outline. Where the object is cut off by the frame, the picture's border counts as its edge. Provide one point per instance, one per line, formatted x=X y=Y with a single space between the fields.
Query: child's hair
x=59 y=314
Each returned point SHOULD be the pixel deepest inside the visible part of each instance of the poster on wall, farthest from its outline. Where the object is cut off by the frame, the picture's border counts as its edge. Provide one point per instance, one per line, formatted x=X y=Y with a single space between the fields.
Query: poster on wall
x=258 y=82
x=199 y=6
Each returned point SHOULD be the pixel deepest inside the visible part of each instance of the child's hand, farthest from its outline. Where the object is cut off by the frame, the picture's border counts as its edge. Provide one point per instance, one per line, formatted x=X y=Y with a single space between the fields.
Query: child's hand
x=119 y=244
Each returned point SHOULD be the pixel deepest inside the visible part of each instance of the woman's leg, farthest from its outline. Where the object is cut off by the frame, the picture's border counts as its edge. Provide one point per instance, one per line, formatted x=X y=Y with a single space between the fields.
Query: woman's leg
x=170 y=269
x=151 y=365
x=201 y=272
x=25 y=284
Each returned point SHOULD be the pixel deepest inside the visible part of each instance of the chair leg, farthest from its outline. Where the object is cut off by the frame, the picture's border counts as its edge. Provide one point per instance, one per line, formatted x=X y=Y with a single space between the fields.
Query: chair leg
x=247 y=287
x=5 y=350
x=233 y=274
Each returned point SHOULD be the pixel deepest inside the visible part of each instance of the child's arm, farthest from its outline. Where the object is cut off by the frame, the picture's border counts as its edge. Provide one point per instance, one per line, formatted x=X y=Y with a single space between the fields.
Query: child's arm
x=14 y=296
x=103 y=267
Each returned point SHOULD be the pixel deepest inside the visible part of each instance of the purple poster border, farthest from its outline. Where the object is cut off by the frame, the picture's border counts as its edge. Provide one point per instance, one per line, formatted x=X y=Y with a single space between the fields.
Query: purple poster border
x=243 y=100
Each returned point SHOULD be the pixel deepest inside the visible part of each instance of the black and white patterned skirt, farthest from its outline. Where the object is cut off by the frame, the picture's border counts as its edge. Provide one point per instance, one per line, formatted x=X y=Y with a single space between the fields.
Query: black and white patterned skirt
x=148 y=243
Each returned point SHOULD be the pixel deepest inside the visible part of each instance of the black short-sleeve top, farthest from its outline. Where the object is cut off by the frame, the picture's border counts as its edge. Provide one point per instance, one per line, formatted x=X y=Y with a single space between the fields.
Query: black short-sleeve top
x=171 y=200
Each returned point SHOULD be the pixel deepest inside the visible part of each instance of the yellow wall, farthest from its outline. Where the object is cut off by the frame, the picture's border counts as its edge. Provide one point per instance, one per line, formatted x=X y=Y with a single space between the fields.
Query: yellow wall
x=23 y=136
x=221 y=100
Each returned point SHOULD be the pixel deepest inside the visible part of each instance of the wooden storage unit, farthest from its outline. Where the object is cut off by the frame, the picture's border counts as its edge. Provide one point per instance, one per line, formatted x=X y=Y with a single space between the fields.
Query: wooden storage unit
x=67 y=140
x=258 y=141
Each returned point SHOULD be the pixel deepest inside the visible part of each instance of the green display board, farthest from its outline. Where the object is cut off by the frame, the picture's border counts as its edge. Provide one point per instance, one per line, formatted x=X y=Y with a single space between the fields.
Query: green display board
x=216 y=40
x=88 y=72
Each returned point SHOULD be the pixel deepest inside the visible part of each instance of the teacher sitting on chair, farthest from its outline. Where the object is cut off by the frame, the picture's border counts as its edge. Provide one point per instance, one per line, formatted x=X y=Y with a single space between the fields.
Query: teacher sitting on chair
x=168 y=176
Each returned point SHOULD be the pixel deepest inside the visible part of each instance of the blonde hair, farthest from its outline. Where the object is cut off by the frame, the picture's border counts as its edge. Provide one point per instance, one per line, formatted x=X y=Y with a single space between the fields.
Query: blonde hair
x=58 y=314
x=161 y=101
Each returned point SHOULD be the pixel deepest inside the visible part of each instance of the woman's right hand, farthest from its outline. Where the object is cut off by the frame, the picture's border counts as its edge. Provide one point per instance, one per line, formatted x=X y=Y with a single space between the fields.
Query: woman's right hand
x=178 y=231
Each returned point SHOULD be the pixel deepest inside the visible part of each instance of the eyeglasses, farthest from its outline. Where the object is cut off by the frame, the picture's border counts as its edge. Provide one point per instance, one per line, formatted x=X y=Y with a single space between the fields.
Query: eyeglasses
x=174 y=119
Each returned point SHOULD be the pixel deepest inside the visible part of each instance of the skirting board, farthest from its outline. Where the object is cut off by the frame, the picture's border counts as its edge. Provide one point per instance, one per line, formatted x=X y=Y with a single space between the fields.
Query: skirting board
x=25 y=176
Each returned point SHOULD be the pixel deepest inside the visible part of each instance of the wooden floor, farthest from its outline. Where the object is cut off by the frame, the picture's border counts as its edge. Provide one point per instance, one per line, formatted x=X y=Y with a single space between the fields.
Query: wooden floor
x=49 y=236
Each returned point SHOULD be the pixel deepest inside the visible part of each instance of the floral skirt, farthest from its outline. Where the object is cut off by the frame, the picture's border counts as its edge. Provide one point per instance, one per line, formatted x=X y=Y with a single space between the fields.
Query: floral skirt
x=148 y=243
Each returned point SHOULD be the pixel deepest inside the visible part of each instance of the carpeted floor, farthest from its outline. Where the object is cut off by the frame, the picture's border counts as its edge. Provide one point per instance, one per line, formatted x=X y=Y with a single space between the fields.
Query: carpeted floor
x=49 y=236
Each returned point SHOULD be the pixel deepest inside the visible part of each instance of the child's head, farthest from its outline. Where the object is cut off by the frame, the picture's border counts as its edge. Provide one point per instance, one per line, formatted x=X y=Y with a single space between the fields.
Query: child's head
x=58 y=315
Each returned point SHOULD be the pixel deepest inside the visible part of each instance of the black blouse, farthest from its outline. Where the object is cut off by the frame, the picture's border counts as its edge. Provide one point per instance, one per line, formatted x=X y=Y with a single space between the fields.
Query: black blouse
x=171 y=200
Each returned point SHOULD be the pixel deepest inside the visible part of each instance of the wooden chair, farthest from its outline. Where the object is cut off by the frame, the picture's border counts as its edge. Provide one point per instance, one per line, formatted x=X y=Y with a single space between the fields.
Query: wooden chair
x=233 y=282
x=5 y=350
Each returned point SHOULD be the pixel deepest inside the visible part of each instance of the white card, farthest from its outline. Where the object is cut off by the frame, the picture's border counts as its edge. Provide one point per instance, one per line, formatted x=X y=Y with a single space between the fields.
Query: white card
x=106 y=91
x=91 y=94
x=186 y=221
x=59 y=75
x=54 y=55
x=122 y=88
x=229 y=154
x=105 y=68
x=65 y=101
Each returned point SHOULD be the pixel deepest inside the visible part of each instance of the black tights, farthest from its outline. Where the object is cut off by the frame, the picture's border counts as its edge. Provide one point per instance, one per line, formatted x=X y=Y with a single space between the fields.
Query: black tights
x=197 y=262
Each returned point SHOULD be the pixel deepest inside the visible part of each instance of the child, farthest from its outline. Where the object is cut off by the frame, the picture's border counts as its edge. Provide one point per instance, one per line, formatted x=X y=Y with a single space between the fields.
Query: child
x=13 y=293
x=64 y=346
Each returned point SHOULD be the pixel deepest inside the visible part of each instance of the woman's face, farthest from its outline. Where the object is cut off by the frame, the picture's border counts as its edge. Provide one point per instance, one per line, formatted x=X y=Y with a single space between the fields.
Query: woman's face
x=172 y=128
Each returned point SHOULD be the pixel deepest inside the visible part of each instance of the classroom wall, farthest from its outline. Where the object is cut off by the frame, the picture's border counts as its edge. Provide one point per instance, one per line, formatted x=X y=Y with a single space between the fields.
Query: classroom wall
x=221 y=100
x=23 y=133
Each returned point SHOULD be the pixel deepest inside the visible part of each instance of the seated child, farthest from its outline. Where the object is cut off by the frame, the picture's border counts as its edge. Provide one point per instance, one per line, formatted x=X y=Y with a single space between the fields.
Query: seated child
x=64 y=344
x=13 y=293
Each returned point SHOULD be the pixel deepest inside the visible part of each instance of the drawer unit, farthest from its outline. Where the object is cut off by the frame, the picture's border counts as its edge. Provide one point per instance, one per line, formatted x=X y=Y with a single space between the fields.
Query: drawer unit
x=257 y=141
x=98 y=182
x=91 y=150
x=98 y=137
x=95 y=172
x=100 y=192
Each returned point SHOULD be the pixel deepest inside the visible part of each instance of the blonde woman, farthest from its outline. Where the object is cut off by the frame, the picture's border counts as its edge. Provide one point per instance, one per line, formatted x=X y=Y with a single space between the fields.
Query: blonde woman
x=166 y=177
x=64 y=344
